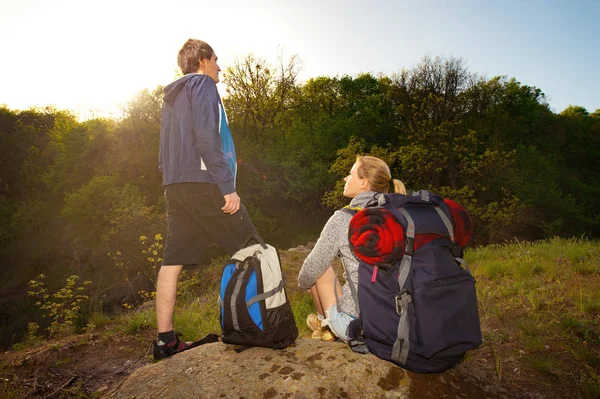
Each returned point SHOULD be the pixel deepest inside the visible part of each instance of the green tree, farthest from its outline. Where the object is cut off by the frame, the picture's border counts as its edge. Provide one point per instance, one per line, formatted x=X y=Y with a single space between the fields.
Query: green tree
x=259 y=96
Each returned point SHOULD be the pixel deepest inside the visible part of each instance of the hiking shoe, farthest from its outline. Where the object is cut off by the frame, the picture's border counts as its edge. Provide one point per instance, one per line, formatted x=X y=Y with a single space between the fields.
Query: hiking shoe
x=313 y=322
x=163 y=350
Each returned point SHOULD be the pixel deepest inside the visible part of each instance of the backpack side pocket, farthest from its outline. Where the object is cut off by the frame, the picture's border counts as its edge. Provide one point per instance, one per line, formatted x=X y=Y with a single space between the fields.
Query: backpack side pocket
x=446 y=312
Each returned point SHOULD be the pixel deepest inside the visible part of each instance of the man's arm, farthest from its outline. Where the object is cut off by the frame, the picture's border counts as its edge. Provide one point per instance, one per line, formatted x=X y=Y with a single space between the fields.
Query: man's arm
x=205 y=109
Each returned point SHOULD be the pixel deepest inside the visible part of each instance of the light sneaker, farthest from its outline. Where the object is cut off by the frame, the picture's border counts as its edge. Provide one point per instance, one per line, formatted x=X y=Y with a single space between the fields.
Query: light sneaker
x=327 y=334
x=320 y=332
x=313 y=323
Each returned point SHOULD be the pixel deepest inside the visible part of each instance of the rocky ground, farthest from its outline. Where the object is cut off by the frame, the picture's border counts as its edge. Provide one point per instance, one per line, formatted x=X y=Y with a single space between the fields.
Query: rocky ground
x=113 y=364
x=119 y=366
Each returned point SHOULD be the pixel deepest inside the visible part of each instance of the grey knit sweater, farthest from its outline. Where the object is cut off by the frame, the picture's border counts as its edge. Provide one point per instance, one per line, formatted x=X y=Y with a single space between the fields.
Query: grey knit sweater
x=334 y=239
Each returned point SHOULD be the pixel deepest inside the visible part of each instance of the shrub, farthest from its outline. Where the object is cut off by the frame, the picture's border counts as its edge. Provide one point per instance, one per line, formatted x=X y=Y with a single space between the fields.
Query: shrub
x=62 y=308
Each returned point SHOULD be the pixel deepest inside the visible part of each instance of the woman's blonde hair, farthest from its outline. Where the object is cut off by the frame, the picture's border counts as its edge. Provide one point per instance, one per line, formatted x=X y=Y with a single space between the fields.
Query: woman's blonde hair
x=377 y=172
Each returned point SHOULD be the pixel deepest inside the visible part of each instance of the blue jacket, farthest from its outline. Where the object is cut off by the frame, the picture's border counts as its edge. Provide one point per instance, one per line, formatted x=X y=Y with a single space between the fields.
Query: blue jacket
x=195 y=141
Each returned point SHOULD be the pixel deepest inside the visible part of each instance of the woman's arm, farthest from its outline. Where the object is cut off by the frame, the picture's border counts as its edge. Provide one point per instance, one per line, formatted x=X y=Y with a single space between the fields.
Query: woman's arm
x=333 y=237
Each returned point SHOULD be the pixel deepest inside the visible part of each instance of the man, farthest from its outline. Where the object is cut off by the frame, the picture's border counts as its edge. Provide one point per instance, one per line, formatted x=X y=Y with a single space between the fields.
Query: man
x=198 y=165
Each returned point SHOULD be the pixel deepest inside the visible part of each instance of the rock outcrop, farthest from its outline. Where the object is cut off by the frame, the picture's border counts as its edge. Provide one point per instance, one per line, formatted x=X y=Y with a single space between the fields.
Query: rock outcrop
x=307 y=369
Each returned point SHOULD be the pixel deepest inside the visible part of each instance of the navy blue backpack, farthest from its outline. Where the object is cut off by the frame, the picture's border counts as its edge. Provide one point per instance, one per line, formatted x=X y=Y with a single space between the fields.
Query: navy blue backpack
x=417 y=306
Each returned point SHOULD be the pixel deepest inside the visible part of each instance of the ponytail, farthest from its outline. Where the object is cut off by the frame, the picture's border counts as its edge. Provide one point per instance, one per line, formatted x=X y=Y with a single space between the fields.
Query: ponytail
x=398 y=187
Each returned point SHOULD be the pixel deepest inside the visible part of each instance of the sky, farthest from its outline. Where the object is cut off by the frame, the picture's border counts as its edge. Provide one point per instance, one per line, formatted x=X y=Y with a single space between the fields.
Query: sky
x=92 y=57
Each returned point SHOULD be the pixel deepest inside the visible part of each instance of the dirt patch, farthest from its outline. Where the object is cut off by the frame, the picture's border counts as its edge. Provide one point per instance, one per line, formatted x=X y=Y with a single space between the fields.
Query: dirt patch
x=78 y=366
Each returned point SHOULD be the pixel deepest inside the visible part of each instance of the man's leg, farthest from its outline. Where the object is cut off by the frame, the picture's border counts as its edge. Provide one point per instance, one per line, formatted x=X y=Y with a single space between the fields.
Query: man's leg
x=167 y=343
x=166 y=292
x=184 y=244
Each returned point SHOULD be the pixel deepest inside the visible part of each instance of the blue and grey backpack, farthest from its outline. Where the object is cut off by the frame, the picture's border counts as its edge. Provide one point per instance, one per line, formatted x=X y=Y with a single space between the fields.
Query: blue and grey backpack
x=418 y=309
x=255 y=310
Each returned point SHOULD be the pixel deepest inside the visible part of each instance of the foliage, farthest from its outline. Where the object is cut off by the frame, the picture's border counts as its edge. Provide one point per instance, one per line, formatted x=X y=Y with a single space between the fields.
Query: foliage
x=260 y=95
x=154 y=251
x=62 y=307
x=70 y=189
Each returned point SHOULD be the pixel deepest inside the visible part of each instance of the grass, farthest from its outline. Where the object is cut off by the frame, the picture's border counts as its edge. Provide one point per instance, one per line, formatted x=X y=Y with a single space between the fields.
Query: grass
x=496 y=269
x=531 y=326
x=302 y=306
x=539 y=305
x=8 y=391
x=98 y=319
x=134 y=322
x=544 y=364
x=545 y=297
x=196 y=319
x=61 y=362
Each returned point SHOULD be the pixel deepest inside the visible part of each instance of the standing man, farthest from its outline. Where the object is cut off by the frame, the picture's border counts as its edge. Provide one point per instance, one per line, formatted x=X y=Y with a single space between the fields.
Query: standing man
x=198 y=165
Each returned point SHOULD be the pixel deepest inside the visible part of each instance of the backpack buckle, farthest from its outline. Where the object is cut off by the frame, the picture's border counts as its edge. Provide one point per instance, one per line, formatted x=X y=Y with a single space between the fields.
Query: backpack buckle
x=409 y=247
x=402 y=300
x=358 y=346
x=456 y=250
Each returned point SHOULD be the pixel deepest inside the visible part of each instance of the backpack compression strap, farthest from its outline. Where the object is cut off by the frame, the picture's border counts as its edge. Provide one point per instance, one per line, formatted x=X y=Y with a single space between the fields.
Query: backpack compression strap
x=259 y=297
x=404 y=298
x=265 y=295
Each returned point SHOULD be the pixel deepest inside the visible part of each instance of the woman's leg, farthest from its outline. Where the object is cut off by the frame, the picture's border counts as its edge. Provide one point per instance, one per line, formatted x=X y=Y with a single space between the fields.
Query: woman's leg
x=316 y=300
x=323 y=292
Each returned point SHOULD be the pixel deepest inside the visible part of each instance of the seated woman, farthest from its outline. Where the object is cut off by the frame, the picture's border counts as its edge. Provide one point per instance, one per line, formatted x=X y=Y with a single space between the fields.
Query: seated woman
x=368 y=176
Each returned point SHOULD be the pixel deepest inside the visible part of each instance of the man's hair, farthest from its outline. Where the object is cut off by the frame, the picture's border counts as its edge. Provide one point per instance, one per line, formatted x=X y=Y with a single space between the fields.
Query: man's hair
x=378 y=174
x=191 y=53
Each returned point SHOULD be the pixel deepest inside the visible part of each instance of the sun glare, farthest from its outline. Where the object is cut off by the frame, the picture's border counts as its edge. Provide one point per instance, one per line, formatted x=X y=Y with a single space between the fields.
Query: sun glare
x=94 y=66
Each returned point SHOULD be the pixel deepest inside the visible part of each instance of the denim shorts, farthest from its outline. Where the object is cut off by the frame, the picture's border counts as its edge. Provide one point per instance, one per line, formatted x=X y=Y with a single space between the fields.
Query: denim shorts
x=338 y=322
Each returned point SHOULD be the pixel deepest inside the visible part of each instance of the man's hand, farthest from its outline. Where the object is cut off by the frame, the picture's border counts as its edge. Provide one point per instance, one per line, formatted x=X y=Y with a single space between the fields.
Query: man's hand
x=232 y=203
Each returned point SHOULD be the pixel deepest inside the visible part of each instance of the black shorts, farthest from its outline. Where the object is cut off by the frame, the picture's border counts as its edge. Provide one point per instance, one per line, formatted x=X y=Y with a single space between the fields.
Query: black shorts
x=194 y=216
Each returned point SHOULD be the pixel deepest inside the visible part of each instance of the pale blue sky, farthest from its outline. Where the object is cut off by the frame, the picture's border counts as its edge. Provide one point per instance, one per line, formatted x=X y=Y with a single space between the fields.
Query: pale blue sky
x=86 y=55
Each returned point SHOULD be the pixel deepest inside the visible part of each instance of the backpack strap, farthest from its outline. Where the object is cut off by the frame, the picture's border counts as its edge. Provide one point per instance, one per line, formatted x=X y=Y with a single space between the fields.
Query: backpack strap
x=455 y=251
x=447 y=223
x=352 y=287
x=352 y=210
x=234 y=295
x=424 y=194
x=356 y=345
x=404 y=298
x=210 y=338
x=254 y=236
